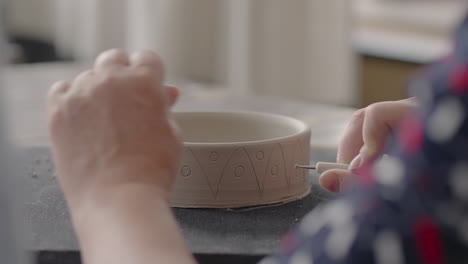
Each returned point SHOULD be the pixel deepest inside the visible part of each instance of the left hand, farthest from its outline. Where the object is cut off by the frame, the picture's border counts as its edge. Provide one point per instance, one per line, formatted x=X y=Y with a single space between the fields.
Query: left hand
x=112 y=126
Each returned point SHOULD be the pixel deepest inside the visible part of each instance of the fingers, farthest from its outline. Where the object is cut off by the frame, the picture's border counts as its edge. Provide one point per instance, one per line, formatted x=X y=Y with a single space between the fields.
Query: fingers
x=54 y=98
x=365 y=139
x=57 y=90
x=352 y=141
x=335 y=180
x=146 y=58
x=172 y=94
x=111 y=58
x=380 y=120
x=81 y=81
x=150 y=60
x=367 y=133
x=141 y=63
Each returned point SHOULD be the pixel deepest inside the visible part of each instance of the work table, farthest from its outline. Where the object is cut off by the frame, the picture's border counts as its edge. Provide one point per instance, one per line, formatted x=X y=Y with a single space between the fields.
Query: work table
x=213 y=235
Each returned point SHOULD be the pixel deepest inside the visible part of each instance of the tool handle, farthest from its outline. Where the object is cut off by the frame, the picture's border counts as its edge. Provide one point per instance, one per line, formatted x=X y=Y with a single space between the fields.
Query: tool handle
x=321 y=167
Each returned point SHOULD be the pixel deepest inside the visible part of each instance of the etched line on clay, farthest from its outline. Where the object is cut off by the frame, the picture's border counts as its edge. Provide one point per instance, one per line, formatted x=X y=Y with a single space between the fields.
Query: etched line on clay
x=213 y=179
x=263 y=172
x=242 y=149
x=284 y=165
x=298 y=176
x=290 y=163
x=301 y=155
x=275 y=174
x=255 y=173
x=266 y=171
x=222 y=174
x=201 y=168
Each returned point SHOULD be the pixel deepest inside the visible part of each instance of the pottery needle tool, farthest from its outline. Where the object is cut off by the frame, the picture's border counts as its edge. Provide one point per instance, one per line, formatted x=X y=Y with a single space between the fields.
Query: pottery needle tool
x=321 y=167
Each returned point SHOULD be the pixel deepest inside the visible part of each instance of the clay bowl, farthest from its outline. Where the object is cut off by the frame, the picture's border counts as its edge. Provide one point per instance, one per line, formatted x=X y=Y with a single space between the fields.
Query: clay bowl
x=240 y=159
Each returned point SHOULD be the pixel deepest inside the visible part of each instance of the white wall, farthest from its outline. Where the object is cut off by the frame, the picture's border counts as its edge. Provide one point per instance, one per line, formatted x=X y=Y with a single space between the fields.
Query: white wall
x=12 y=228
x=295 y=48
x=298 y=49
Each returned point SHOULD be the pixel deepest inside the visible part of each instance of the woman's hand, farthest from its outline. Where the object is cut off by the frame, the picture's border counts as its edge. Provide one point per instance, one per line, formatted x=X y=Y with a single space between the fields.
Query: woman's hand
x=116 y=150
x=365 y=138
x=112 y=126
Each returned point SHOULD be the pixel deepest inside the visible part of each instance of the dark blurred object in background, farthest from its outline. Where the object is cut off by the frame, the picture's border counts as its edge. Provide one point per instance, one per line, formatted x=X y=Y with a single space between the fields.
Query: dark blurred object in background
x=29 y=50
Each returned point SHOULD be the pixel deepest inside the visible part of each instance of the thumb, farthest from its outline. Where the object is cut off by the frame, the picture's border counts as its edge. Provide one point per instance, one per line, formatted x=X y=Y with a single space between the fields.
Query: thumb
x=334 y=180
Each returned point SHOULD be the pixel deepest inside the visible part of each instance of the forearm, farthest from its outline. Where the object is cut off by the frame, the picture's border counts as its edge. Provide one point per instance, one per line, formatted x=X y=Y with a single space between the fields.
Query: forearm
x=134 y=225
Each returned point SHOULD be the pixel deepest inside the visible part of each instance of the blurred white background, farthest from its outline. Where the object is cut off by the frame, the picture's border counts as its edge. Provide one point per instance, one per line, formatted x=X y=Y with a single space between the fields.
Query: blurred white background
x=336 y=52
x=274 y=47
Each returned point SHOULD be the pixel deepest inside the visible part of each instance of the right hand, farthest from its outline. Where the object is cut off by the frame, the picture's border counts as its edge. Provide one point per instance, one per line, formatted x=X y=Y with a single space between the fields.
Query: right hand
x=365 y=138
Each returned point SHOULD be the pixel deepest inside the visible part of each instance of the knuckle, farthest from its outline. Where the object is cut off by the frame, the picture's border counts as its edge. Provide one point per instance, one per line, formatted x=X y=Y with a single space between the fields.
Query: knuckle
x=144 y=81
x=111 y=54
x=84 y=76
x=57 y=88
x=409 y=104
x=144 y=75
x=71 y=100
x=358 y=115
x=106 y=79
x=115 y=52
x=375 y=109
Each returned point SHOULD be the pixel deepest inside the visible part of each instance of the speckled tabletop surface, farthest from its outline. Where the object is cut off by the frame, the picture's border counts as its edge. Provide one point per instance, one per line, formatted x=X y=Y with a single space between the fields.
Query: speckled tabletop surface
x=249 y=231
x=208 y=231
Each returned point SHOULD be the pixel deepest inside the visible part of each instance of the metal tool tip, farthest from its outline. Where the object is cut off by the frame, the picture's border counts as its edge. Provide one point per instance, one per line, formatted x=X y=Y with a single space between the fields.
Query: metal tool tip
x=307 y=167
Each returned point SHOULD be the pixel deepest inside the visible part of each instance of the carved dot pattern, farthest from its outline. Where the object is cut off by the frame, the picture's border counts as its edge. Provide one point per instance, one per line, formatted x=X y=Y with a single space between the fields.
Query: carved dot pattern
x=186 y=171
x=260 y=155
x=239 y=171
x=274 y=170
x=214 y=156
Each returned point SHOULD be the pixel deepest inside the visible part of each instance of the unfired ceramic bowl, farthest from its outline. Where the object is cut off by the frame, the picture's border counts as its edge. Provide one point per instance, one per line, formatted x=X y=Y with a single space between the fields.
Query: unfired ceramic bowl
x=240 y=159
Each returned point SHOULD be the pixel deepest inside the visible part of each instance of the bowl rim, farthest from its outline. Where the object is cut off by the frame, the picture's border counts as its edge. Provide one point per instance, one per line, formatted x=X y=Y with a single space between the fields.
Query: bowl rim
x=304 y=128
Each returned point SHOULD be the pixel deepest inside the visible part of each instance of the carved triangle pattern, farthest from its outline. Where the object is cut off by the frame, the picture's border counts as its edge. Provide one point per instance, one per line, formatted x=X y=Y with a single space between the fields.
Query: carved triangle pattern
x=261 y=158
x=298 y=176
x=275 y=177
x=213 y=164
x=238 y=172
x=191 y=175
x=259 y=172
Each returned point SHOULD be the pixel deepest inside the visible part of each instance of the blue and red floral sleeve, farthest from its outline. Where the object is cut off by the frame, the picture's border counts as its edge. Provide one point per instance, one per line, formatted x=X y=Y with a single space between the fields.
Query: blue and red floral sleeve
x=411 y=206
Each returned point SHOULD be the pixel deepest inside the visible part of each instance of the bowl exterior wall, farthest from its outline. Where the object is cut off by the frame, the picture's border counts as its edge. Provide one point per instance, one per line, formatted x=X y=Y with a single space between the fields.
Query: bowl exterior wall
x=232 y=176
